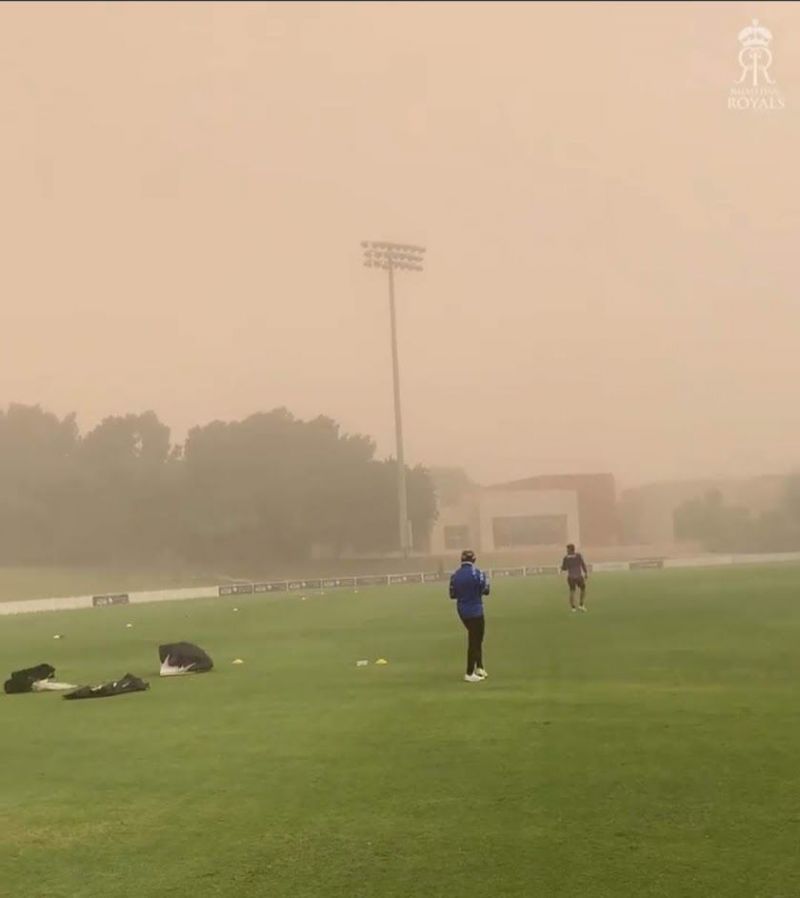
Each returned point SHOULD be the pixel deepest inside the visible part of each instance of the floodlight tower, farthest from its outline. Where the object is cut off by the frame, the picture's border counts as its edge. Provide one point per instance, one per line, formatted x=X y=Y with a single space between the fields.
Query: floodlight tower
x=396 y=257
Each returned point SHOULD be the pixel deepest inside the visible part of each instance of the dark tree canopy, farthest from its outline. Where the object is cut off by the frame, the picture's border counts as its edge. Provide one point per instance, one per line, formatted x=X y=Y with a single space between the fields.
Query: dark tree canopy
x=269 y=487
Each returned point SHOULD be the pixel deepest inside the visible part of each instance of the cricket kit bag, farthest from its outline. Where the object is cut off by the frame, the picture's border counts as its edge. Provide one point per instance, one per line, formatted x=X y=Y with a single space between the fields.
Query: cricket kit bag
x=182 y=658
x=35 y=679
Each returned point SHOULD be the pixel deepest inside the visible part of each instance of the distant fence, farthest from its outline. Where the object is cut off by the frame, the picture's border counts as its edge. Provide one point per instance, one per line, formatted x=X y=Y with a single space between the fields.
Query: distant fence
x=321 y=584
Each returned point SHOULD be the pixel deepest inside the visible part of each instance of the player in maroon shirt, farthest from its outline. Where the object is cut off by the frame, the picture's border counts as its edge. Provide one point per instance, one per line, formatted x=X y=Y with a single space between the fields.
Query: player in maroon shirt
x=577 y=573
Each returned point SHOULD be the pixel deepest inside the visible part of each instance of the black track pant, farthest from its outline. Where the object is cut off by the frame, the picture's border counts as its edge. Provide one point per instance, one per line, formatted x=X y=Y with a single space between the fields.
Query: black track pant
x=475 y=630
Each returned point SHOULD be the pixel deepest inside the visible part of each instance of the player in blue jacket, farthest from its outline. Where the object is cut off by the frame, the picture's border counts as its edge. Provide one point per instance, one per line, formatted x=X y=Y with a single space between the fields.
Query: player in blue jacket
x=468 y=586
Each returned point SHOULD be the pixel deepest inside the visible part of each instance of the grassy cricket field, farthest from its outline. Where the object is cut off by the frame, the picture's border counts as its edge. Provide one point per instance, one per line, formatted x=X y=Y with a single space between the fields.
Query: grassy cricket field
x=648 y=748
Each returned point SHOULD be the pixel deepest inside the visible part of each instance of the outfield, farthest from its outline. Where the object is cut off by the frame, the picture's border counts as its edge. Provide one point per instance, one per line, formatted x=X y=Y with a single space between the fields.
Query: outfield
x=648 y=748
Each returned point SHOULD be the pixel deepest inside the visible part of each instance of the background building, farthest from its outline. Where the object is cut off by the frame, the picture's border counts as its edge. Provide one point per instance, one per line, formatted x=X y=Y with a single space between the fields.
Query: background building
x=539 y=512
x=597 y=502
x=491 y=520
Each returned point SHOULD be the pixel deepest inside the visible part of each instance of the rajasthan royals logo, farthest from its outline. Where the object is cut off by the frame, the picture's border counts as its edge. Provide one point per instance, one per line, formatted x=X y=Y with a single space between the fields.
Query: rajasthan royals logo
x=755 y=57
x=755 y=89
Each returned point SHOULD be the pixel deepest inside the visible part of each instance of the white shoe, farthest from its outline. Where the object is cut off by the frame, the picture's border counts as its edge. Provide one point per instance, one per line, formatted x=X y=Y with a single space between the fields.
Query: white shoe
x=583 y=608
x=472 y=678
x=574 y=610
x=481 y=673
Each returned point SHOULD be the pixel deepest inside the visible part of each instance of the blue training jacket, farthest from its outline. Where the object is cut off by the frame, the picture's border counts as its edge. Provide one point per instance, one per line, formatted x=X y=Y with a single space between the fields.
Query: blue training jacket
x=468 y=586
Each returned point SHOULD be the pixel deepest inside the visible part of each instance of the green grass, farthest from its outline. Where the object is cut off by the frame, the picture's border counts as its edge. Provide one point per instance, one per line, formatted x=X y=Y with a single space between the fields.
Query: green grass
x=648 y=748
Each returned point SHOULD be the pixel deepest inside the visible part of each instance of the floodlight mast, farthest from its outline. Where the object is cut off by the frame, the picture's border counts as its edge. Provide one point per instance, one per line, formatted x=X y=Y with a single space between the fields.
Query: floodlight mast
x=392 y=257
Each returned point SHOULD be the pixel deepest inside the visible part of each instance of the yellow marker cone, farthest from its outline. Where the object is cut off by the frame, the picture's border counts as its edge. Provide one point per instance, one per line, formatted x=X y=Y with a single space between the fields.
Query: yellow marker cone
x=381 y=661
x=237 y=661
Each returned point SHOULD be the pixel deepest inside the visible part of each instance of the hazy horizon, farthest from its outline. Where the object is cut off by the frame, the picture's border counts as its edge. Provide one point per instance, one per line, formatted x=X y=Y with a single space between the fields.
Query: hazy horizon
x=612 y=266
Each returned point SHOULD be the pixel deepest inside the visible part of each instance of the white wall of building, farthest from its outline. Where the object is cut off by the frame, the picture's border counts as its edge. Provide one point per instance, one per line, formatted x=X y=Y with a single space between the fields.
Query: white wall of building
x=527 y=503
x=477 y=512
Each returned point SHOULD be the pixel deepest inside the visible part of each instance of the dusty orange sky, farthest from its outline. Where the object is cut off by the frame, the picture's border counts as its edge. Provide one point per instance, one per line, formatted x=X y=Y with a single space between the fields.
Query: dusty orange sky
x=612 y=275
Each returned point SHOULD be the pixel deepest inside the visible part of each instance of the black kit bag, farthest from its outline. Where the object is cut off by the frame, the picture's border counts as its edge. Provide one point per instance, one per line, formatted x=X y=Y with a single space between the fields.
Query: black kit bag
x=183 y=657
x=23 y=680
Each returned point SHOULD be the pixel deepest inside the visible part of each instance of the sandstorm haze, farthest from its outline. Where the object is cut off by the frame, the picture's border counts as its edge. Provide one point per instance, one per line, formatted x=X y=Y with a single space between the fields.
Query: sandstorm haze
x=612 y=270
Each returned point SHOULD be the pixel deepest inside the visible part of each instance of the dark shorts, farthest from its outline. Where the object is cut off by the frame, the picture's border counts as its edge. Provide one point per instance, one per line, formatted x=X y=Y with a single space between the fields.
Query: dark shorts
x=576 y=582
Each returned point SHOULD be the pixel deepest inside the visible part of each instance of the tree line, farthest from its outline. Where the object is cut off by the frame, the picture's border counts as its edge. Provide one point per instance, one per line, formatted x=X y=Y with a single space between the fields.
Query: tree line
x=270 y=487
x=731 y=528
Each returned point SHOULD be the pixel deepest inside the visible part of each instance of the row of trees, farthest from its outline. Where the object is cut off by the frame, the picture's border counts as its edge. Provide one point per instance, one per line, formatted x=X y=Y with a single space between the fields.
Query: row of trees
x=730 y=528
x=268 y=488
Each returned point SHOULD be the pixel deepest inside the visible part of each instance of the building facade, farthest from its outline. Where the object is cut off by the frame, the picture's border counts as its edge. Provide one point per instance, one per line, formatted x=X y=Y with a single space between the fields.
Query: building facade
x=597 y=502
x=494 y=520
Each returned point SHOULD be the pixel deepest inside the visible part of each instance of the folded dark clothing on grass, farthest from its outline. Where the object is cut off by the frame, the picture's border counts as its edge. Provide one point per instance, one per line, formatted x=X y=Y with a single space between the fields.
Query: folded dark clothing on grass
x=128 y=683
